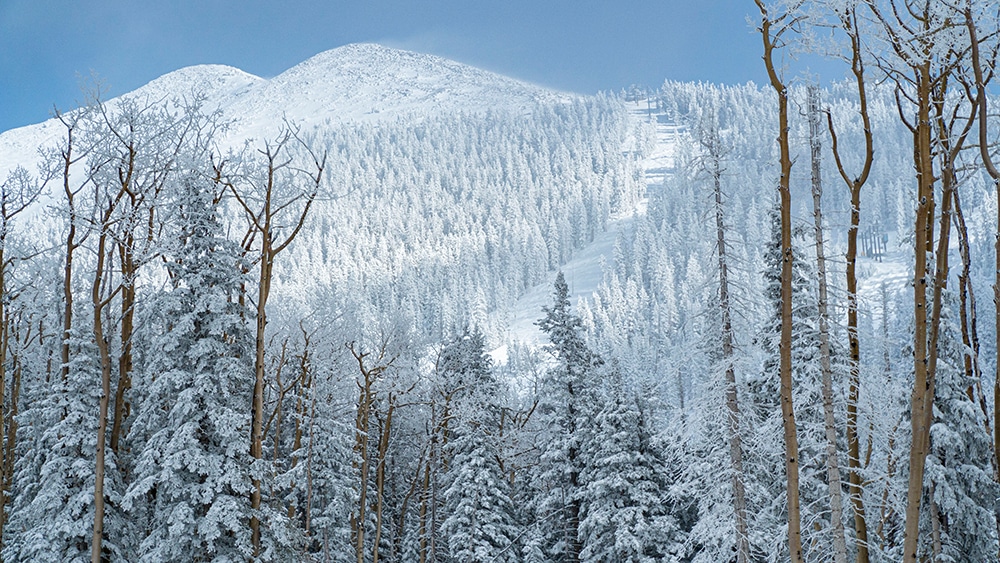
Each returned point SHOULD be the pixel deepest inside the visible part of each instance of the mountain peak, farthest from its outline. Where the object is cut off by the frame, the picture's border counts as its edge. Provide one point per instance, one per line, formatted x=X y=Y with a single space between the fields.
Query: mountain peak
x=359 y=82
x=364 y=82
x=215 y=82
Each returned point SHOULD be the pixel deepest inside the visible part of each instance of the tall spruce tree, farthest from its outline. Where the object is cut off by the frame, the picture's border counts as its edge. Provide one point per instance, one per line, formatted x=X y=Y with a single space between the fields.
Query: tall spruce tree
x=567 y=407
x=53 y=510
x=191 y=471
x=625 y=510
x=480 y=523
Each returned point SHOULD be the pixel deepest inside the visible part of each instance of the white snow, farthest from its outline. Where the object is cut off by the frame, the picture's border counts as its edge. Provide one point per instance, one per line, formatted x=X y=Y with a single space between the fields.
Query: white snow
x=584 y=273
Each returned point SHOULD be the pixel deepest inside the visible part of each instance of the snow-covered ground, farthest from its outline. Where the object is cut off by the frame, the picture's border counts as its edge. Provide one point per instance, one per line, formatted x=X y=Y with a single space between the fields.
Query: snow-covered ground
x=894 y=271
x=584 y=272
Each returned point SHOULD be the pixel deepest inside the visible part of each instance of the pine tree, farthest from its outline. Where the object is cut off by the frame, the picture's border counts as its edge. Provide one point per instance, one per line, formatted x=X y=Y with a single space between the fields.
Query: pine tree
x=625 y=510
x=191 y=470
x=567 y=408
x=53 y=511
x=479 y=523
x=959 y=489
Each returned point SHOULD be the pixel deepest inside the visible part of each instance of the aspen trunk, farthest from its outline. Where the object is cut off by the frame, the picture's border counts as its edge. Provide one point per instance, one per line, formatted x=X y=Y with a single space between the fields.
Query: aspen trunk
x=849 y=23
x=10 y=448
x=129 y=271
x=854 y=383
x=263 y=222
x=257 y=408
x=923 y=386
x=982 y=102
x=67 y=160
x=383 y=452
x=768 y=35
x=71 y=245
x=424 y=503
x=967 y=307
x=4 y=349
x=97 y=300
x=361 y=452
x=829 y=422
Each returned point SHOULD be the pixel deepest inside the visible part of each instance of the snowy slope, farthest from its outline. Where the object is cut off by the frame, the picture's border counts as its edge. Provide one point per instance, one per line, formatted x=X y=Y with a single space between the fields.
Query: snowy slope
x=354 y=83
x=584 y=273
x=217 y=83
x=367 y=82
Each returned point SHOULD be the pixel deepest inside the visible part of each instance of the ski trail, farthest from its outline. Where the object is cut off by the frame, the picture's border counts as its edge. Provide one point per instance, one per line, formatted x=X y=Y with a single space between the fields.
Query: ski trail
x=584 y=272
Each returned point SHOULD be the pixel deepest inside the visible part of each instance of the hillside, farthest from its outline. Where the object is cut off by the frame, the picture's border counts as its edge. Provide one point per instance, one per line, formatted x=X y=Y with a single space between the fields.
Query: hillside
x=420 y=142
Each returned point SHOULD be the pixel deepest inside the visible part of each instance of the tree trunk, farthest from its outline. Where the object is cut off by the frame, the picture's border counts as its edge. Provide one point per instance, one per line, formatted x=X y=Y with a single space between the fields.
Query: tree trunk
x=982 y=102
x=129 y=270
x=732 y=398
x=787 y=408
x=71 y=245
x=968 y=319
x=923 y=386
x=257 y=408
x=263 y=222
x=98 y=302
x=829 y=422
x=11 y=446
x=361 y=452
x=383 y=453
x=849 y=22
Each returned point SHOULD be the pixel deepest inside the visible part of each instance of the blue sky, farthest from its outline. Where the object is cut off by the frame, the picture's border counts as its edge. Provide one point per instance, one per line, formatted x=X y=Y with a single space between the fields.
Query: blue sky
x=47 y=46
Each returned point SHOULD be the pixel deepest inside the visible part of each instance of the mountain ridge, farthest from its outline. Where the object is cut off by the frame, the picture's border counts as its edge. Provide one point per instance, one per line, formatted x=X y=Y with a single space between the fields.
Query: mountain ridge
x=358 y=82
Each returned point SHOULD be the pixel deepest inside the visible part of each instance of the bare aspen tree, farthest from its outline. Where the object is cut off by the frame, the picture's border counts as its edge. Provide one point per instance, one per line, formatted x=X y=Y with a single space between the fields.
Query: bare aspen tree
x=65 y=157
x=829 y=422
x=921 y=37
x=849 y=24
x=714 y=152
x=772 y=29
x=17 y=193
x=372 y=366
x=304 y=392
x=983 y=73
x=140 y=142
x=275 y=199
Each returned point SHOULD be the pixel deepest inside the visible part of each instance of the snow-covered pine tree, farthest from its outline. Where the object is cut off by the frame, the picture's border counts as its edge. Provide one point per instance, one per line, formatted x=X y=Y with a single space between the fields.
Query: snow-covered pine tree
x=52 y=512
x=625 y=510
x=480 y=524
x=567 y=407
x=331 y=480
x=191 y=475
x=958 y=522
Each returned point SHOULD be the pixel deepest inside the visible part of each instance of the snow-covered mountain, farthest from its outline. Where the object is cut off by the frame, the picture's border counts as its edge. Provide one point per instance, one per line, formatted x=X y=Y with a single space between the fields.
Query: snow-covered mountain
x=437 y=147
x=361 y=82
x=368 y=82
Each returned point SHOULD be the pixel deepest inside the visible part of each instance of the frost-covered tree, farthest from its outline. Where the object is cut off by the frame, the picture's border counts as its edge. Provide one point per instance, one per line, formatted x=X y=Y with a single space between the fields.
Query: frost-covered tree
x=960 y=492
x=190 y=481
x=567 y=407
x=480 y=522
x=54 y=478
x=625 y=509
